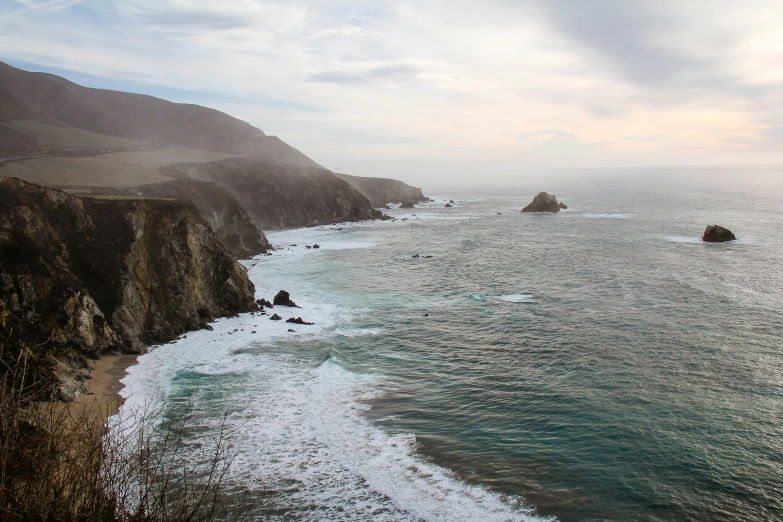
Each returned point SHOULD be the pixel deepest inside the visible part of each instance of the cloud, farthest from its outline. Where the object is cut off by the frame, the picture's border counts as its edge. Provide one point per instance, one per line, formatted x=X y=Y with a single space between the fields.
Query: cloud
x=395 y=73
x=507 y=82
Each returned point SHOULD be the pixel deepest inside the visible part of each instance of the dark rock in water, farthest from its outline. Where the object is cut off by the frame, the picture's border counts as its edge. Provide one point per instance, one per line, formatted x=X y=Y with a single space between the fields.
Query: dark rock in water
x=448 y=205
x=415 y=256
x=291 y=330
x=407 y=204
x=308 y=246
x=317 y=245
x=426 y=315
x=451 y=201
x=500 y=213
x=264 y=302
x=543 y=202
x=562 y=206
x=297 y=320
x=426 y=257
x=717 y=234
x=387 y=207
x=275 y=318
x=284 y=299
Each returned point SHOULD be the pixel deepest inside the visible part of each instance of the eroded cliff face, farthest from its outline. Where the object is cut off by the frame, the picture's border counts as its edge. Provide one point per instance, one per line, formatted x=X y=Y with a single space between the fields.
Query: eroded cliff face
x=382 y=190
x=282 y=196
x=82 y=276
x=224 y=213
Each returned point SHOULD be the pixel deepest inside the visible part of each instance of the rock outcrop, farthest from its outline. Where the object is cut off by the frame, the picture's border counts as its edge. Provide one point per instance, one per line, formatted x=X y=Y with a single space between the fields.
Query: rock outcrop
x=543 y=202
x=81 y=276
x=298 y=320
x=562 y=206
x=224 y=213
x=717 y=234
x=283 y=298
x=282 y=196
x=382 y=190
x=407 y=204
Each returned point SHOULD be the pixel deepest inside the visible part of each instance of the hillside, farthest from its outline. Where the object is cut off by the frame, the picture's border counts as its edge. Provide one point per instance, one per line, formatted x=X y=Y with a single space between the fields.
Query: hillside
x=383 y=190
x=32 y=103
x=282 y=196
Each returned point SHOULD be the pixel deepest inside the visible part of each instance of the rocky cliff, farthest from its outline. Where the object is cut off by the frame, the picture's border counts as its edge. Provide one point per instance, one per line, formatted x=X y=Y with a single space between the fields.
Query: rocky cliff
x=282 y=196
x=382 y=190
x=224 y=213
x=81 y=276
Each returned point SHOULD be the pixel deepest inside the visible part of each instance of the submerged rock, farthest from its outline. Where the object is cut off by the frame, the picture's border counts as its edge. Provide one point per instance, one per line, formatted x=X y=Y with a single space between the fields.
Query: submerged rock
x=283 y=298
x=543 y=202
x=297 y=320
x=717 y=234
x=407 y=204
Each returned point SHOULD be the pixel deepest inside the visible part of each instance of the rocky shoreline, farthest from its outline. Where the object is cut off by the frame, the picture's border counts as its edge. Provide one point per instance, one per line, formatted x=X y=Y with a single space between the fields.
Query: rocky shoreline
x=83 y=276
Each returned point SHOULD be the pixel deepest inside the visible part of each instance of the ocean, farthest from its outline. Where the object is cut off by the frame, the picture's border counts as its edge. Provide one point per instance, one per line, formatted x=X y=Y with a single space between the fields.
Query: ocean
x=601 y=363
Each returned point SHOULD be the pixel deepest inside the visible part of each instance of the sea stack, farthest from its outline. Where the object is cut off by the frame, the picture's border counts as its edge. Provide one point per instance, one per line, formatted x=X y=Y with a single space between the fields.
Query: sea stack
x=717 y=234
x=543 y=202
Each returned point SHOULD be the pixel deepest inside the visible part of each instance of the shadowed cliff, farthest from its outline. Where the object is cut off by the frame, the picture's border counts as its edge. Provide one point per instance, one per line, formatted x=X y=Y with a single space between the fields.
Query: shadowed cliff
x=383 y=190
x=81 y=276
x=282 y=196
x=224 y=213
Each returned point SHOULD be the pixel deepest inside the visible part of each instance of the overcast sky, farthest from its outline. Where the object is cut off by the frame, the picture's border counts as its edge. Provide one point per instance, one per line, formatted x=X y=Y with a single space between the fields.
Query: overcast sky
x=434 y=88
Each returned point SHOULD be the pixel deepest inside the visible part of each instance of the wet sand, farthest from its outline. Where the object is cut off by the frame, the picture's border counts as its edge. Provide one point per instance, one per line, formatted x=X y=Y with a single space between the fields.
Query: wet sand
x=103 y=389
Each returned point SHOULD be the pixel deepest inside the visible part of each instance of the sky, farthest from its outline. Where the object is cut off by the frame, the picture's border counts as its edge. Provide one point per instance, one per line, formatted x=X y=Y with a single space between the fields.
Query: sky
x=467 y=89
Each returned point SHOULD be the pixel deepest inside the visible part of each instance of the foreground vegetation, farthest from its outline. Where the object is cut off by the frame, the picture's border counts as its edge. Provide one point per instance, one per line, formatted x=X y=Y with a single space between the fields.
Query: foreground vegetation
x=61 y=462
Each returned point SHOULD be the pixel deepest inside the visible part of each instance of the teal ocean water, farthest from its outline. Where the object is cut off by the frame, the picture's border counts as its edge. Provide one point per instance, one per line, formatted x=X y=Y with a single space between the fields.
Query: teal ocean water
x=597 y=364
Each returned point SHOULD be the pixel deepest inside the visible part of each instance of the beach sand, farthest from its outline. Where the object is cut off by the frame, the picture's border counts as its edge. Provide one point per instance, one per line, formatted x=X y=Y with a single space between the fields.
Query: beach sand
x=102 y=397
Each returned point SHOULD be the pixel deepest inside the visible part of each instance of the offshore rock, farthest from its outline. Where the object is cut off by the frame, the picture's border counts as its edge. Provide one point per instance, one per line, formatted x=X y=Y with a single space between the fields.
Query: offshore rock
x=82 y=276
x=448 y=205
x=717 y=234
x=407 y=204
x=297 y=320
x=543 y=202
x=275 y=317
x=562 y=206
x=283 y=298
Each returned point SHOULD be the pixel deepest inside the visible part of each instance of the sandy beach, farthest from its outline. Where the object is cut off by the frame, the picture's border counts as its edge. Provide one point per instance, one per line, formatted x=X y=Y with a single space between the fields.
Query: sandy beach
x=103 y=396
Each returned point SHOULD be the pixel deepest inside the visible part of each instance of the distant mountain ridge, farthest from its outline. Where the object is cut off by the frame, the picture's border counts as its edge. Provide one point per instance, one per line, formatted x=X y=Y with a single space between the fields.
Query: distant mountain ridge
x=53 y=100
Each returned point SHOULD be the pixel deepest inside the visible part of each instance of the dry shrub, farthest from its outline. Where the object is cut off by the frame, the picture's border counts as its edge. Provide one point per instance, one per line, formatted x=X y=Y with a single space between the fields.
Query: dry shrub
x=64 y=463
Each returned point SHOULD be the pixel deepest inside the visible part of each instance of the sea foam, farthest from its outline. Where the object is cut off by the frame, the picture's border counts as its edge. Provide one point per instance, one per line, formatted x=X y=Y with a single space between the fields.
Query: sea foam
x=298 y=421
